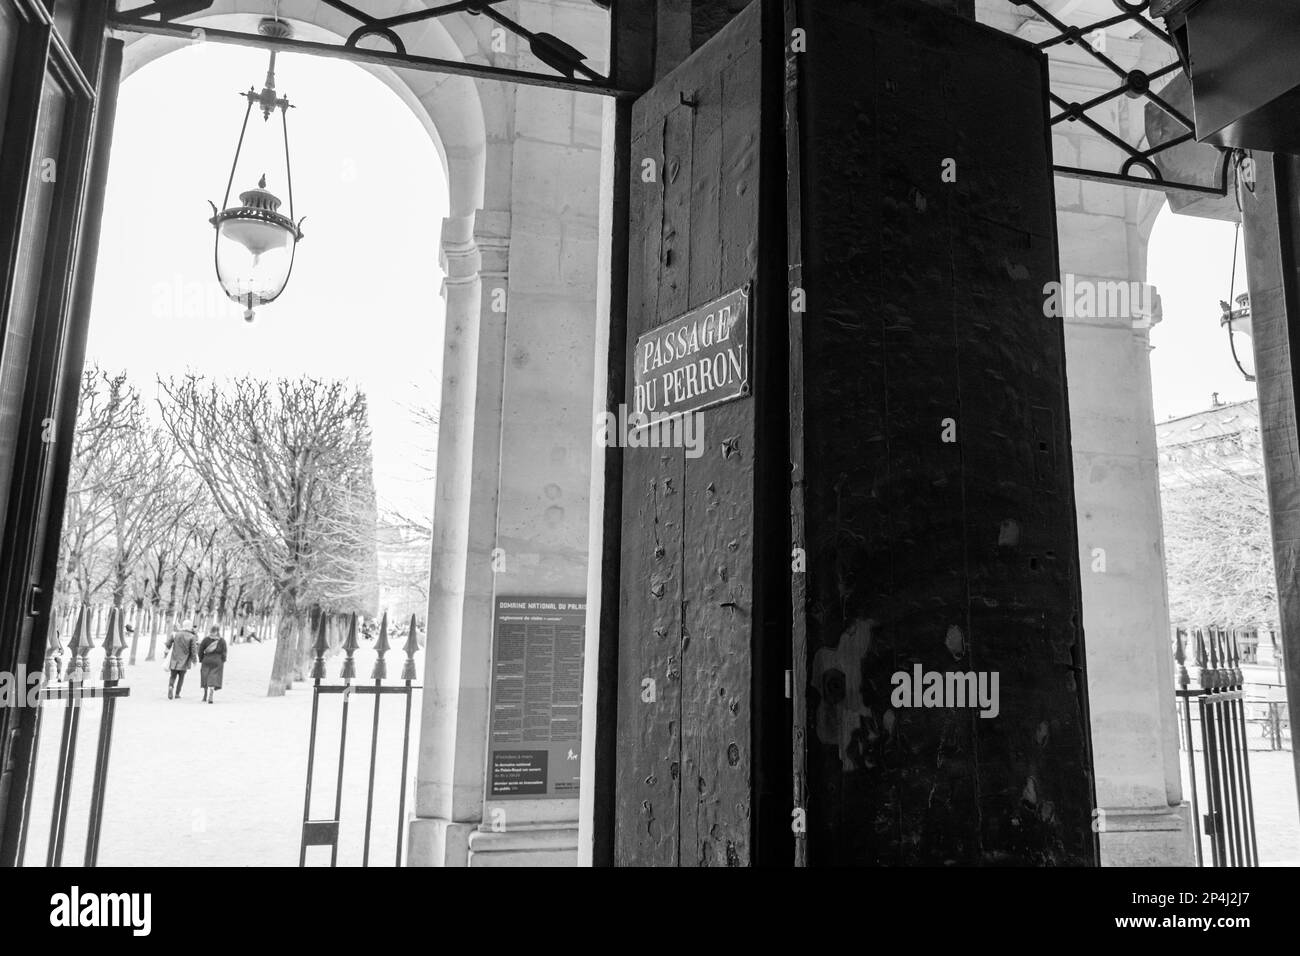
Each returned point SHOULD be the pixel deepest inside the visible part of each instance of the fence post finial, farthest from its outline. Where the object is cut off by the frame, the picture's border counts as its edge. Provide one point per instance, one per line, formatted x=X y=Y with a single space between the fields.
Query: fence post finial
x=349 y=649
x=1234 y=657
x=82 y=643
x=412 y=645
x=114 y=645
x=1202 y=663
x=54 y=654
x=1180 y=656
x=319 y=648
x=382 y=646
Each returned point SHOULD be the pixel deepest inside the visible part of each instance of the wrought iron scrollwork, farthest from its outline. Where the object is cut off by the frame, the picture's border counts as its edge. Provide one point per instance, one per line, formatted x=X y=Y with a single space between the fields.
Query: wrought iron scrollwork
x=1136 y=84
x=567 y=63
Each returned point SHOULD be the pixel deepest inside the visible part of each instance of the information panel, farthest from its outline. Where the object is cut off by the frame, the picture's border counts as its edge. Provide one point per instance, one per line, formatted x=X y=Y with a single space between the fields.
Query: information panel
x=537 y=645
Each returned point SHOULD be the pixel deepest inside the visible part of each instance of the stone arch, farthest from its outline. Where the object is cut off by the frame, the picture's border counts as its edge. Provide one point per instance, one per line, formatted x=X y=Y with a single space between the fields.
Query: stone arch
x=470 y=124
x=509 y=426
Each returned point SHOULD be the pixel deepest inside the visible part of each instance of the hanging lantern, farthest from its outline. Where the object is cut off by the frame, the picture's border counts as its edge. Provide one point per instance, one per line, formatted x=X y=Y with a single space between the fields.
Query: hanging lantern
x=255 y=242
x=1237 y=320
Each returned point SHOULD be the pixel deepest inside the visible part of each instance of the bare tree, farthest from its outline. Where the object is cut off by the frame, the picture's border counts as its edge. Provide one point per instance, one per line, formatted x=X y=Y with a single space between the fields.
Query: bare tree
x=108 y=415
x=289 y=466
x=140 y=507
x=160 y=562
x=1218 y=550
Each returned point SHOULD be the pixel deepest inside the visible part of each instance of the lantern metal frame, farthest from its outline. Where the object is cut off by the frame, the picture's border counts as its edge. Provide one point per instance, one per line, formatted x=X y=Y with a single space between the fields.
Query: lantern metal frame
x=268 y=102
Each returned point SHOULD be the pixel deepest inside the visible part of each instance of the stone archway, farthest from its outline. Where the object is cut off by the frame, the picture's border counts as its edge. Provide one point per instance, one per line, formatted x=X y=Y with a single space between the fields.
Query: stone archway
x=513 y=465
x=456 y=115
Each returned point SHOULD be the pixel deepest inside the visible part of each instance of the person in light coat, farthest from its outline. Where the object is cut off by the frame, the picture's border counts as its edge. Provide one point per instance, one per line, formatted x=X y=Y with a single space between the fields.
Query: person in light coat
x=181 y=655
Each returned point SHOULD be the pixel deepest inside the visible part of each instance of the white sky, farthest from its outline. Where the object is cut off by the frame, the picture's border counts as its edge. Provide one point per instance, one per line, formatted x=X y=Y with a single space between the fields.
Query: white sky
x=1190 y=264
x=363 y=303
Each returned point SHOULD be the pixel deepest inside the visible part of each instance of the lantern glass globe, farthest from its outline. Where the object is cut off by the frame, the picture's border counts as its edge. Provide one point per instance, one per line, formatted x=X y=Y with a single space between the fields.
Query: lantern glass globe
x=255 y=246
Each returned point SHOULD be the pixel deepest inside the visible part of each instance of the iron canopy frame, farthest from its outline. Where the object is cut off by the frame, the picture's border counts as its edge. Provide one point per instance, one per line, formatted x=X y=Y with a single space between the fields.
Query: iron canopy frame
x=1136 y=84
x=170 y=18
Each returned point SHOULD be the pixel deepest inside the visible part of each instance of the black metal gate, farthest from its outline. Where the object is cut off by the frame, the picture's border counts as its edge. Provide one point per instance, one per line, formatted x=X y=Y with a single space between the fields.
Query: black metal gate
x=72 y=685
x=325 y=832
x=1216 y=705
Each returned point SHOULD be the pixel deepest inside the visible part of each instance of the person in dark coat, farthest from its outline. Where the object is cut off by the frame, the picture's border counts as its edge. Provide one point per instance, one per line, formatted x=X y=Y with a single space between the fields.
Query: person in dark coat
x=212 y=662
x=180 y=657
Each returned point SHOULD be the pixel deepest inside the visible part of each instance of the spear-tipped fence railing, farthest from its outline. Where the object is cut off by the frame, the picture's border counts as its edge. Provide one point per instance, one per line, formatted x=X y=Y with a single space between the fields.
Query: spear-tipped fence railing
x=325 y=832
x=72 y=684
x=1224 y=789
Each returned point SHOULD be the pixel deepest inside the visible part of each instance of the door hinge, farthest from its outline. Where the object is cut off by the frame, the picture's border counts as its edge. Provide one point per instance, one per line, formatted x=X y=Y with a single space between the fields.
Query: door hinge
x=789 y=684
x=33 y=597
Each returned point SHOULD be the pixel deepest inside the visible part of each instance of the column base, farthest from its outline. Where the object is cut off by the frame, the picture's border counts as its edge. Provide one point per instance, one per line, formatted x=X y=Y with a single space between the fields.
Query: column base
x=436 y=842
x=1148 y=836
x=543 y=845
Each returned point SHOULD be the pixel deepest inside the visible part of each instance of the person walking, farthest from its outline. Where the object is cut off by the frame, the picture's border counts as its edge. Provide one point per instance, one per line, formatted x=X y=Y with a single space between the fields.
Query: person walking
x=212 y=662
x=181 y=656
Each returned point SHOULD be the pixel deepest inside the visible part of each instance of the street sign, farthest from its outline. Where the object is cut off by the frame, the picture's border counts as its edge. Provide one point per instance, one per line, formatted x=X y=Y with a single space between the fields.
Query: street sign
x=695 y=361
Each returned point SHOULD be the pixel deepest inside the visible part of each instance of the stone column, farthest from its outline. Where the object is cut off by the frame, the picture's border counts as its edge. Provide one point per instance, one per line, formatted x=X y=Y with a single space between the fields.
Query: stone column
x=1143 y=817
x=515 y=450
x=1103 y=232
x=450 y=759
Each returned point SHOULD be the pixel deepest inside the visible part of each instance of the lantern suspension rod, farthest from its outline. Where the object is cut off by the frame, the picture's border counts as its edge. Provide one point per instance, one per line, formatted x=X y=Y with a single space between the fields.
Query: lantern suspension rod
x=288 y=166
x=270 y=72
x=238 y=149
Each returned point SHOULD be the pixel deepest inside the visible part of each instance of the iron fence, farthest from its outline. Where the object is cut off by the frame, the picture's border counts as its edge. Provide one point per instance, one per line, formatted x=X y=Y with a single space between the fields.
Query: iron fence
x=1216 y=701
x=72 y=684
x=325 y=832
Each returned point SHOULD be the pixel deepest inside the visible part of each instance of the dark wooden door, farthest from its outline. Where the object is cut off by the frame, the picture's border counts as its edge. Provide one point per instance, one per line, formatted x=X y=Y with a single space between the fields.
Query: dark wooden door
x=703 y=731
x=57 y=82
x=895 y=496
x=933 y=481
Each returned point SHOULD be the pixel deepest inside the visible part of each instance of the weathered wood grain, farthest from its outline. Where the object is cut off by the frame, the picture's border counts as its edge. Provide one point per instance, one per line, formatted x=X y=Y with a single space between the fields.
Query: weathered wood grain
x=689 y=522
x=649 y=731
x=926 y=308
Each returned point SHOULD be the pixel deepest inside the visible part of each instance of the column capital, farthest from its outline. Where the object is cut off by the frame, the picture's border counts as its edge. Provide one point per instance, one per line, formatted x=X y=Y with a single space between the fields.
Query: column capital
x=1105 y=302
x=475 y=246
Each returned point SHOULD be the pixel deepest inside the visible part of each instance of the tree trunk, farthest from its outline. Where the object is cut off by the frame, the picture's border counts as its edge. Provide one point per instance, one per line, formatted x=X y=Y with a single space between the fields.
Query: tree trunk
x=284 y=664
x=185 y=590
x=224 y=593
x=303 y=653
x=135 y=641
x=237 y=612
x=119 y=586
x=171 y=597
x=153 y=634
